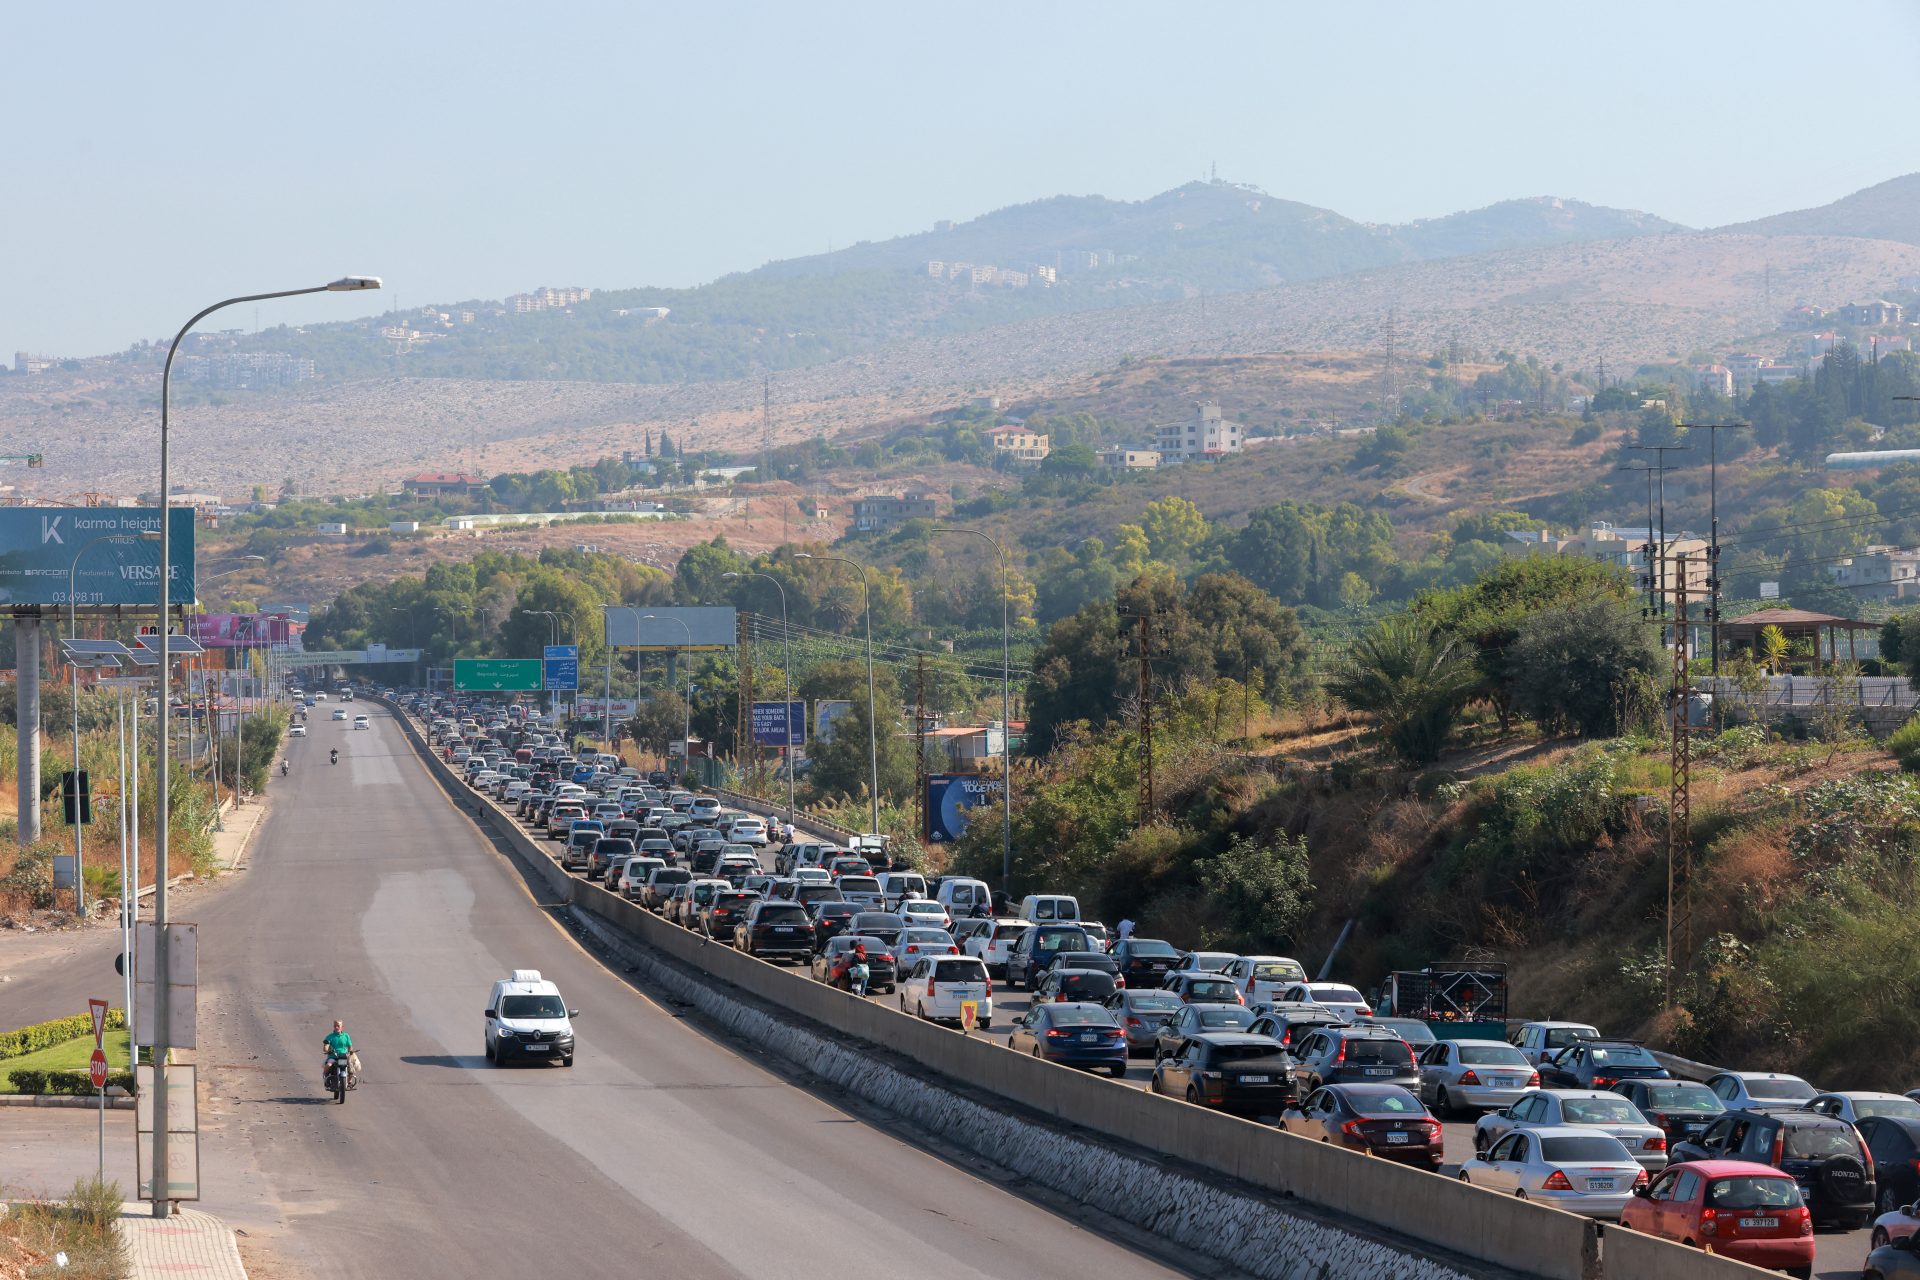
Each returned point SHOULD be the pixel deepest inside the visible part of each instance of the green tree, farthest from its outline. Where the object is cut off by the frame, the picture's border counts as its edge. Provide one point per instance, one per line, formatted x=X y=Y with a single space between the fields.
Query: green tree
x=1571 y=663
x=1263 y=890
x=1174 y=527
x=1413 y=680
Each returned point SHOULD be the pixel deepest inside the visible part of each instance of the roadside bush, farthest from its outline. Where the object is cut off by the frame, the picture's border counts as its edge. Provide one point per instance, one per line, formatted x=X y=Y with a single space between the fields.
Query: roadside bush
x=1905 y=745
x=76 y=1084
x=84 y=1226
x=44 y=1035
x=1263 y=891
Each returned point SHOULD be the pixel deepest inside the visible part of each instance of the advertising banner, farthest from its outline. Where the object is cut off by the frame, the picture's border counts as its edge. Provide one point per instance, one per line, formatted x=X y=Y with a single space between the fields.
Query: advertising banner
x=353 y=657
x=563 y=667
x=589 y=708
x=949 y=797
x=41 y=548
x=779 y=724
x=238 y=630
x=497 y=675
x=825 y=712
x=667 y=627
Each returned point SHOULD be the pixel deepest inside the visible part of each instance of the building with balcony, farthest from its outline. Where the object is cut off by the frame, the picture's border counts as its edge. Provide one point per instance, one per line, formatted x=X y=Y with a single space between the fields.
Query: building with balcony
x=1207 y=434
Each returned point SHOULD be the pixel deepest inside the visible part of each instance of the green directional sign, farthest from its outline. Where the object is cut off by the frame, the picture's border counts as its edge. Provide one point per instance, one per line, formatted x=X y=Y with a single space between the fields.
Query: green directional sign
x=498 y=675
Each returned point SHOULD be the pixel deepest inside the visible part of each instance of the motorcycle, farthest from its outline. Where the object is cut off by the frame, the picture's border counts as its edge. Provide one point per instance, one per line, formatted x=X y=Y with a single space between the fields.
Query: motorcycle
x=339 y=1077
x=283 y=768
x=333 y=756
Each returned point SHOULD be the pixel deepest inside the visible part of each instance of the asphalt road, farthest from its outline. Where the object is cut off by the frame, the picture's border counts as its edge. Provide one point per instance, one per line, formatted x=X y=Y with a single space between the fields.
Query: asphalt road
x=371 y=898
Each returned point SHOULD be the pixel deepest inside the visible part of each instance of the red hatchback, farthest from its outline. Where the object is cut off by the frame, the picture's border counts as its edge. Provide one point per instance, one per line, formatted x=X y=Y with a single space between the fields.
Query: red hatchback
x=1750 y=1212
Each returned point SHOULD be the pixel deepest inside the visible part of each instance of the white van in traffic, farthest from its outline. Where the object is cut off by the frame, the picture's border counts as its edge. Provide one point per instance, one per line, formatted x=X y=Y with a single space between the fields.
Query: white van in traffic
x=1047 y=907
x=898 y=886
x=961 y=896
x=526 y=1018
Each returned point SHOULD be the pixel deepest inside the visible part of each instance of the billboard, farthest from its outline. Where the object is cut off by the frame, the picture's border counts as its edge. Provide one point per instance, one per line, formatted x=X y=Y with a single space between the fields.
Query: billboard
x=671 y=627
x=588 y=708
x=497 y=675
x=373 y=653
x=238 y=630
x=949 y=796
x=825 y=712
x=41 y=546
x=563 y=667
x=779 y=724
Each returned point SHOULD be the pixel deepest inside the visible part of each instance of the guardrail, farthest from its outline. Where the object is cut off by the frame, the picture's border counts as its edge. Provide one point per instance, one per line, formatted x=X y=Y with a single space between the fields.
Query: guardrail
x=1470 y=1221
x=767 y=808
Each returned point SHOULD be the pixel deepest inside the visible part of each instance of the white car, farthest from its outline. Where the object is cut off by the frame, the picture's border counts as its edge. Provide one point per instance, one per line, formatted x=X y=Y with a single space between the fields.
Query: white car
x=1538 y=1040
x=339 y=713
x=514 y=790
x=1855 y=1107
x=1578 y=1170
x=1457 y=1075
x=923 y=911
x=810 y=875
x=526 y=1018
x=918 y=944
x=747 y=831
x=633 y=876
x=994 y=945
x=1336 y=996
x=936 y=987
x=361 y=722
x=1262 y=978
x=1588 y=1109
x=1741 y=1090
x=320 y=695
x=297 y=731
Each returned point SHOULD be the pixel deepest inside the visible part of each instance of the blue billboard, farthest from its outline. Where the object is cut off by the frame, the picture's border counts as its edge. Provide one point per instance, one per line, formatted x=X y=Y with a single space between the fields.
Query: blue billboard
x=562 y=668
x=42 y=549
x=949 y=797
x=779 y=724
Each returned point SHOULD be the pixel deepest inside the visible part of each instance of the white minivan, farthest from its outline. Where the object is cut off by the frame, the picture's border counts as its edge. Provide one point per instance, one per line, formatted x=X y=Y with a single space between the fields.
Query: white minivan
x=1045 y=908
x=936 y=986
x=527 y=1019
x=964 y=897
x=898 y=886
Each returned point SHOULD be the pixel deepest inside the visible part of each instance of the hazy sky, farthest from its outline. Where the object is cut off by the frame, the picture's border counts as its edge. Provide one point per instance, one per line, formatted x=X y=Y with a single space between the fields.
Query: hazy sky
x=165 y=156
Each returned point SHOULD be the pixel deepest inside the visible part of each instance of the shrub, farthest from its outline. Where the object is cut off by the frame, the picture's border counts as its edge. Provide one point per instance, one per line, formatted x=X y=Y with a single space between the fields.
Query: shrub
x=44 y=1035
x=69 y=1083
x=1905 y=745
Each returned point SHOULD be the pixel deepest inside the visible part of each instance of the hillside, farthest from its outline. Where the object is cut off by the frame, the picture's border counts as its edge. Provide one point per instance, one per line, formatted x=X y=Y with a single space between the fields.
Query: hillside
x=1887 y=211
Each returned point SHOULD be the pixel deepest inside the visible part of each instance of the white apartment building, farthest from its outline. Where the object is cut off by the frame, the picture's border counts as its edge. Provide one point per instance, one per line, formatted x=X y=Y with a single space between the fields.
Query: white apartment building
x=1206 y=434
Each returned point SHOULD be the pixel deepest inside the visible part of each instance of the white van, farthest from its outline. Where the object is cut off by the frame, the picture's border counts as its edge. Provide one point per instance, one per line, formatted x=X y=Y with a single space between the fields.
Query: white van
x=961 y=896
x=898 y=886
x=1044 y=908
x=526 y=1018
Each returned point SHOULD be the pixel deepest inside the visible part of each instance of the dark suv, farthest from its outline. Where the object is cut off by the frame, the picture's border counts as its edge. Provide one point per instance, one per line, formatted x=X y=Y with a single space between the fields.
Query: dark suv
x=1230 y=1071
x=775 y=928
x=1681 y=1107
x=1600 y=1064
x=1144 y=962
x=1824 y=1155
x=1037 y=948
x=1353 y=1055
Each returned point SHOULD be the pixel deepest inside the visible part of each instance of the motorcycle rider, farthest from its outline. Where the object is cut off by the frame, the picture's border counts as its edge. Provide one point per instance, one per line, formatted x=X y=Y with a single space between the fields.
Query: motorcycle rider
x=338 y=1044
x=283 y=768
x=333 y=756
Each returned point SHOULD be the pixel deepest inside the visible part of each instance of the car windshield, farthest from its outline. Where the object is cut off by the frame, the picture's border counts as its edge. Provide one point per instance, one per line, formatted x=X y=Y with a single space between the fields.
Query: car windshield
x=1211 y=989
x=1599 y=1111
x=921 y=907
x=1243 y=1052
x=1087 y=986
x=1810 y=1143
x=1223 y=1017
x=1689 y=1097
x=1153 y=1001
x=1382 y=1052
x=1622 y=1055
x=1781 y=1090
x=672 y=875
x=1150 y=947
x=1062 y=940
x=928 y=937
x=1082 y=960
x=1561 y=1037
x=1337 y=995
x=960 y=971
x=1600 y=1148
x=782 y=915
x=1079 y=1016
x=1279 y=971
x=1397 y=1103
x=1491 y=1055
x=1753 y=1193
x=1886 y=1107
x=878 y=920
x=1406 y=1028
x=532 y=1007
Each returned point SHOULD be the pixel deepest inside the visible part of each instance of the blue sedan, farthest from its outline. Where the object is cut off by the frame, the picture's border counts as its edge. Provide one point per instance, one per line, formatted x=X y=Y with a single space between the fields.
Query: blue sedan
x=1074 y=1035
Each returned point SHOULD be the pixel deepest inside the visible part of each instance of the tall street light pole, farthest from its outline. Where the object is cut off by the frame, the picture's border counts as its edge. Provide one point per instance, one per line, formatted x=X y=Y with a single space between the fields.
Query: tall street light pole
x=162 y=1206
x=686 y=727
x=873 y=741
x=786 y=717
x=1006 y=711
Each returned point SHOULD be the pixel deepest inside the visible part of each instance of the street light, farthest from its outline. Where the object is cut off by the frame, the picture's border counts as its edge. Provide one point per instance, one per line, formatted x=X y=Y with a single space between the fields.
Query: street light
x=686 y=728
x=1006 y=712
x=162 y=975
x=786 y=717
x=873 y=742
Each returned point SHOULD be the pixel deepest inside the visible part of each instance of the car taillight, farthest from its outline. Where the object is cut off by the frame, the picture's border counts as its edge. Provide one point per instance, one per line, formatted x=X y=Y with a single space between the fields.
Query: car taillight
x=1640 y=1179
x=929 y=986
x=1469 y=1078
x=953 y=951
x=989 y=986
x=1779 y=1146
x=1605 y=1082
x=1353 y=1129
x=1656 y=1143
x=1238 y=998
x=1434 y=1131
x=1533 y=1080
x=1709 y=1222
x=1057 y=1032
x=1866 y=1156
x=1556 y=1181
x=1806 y=1221
x=1135 y=1022
x=1060 y=998
x=1341 y=1057
x=1120 y=983
x=1365 y=1012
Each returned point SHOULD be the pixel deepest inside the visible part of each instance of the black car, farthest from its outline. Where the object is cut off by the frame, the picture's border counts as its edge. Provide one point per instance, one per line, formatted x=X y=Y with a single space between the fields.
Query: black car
x=775 y=928
x=605 y=849
x=830 y=920
x=1099 y=961
x=1895 y=1144
x=1600 y=1064
x=1037 y=947
x=1681 y=1107
x=725 y=911
x=1197 y=1019
x=884 y=925
x=1077 y=986
x=1230 y=1071
x=1144 y=962
x=1824 y=1155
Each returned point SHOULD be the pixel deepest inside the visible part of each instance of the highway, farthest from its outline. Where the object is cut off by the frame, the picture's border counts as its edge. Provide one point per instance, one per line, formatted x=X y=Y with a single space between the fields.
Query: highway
x=371 y=898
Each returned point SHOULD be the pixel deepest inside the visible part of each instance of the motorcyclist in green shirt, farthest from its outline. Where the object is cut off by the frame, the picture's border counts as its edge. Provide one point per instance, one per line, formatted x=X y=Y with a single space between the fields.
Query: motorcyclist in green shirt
x=338 y=1044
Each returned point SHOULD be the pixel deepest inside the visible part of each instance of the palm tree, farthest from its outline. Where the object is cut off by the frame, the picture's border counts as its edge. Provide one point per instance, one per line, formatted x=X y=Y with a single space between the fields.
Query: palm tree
x=1413 y=680
x=1774 y=647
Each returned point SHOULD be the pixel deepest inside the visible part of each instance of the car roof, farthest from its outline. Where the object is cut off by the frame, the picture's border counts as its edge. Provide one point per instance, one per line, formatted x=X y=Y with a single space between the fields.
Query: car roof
x=1236 y=1037
x=1077 y=973
x=1762 y=1075
x=1555 y=1025
x=1732 y=1168
x=1372 y=1090
x=1863 y=1095
x=1481 y=1044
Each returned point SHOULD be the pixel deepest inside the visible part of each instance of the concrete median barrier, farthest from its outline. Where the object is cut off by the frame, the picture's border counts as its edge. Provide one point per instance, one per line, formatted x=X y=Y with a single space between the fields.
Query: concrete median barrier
x=1632 y=1256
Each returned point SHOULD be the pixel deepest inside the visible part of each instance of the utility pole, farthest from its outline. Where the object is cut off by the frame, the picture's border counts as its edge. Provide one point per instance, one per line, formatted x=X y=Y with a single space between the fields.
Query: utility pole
x=1680 y=793
x=1648 y=608
x=1145 y=808
x=766 y=428
x=920 y=747
x=743 y=722
x=1713 y=430
x=1660 y=451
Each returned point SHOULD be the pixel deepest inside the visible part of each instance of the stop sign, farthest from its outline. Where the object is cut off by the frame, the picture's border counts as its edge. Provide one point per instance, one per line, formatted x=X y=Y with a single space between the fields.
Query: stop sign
x=97 y=1069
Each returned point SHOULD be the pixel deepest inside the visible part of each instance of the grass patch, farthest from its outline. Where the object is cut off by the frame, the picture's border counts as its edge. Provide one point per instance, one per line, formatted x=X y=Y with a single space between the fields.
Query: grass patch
x=69 y=1055
x=82 y=1227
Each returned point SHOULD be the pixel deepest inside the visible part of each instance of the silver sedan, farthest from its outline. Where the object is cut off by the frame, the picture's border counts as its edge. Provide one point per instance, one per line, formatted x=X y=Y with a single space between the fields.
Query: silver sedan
x=1587 y=1109
x=1474 y=1075
x=1576 y=1169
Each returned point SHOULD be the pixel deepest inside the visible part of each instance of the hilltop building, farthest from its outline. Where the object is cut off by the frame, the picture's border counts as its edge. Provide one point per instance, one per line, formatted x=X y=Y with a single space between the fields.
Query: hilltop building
x=1883 y=573
x=546 y=298
x=1626 y=549
x=441 y=484
x=1014 y=442
x=877 y=513
x=1120 y=458
x=1206 y=434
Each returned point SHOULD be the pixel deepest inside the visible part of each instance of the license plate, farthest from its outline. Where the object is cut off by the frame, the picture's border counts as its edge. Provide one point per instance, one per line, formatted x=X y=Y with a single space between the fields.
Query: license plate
x=1397 y=1139
x=963 y=993
x=536 y=1048
x=783 y=928
x=1600 y=1184
x=1089 y=1039
x=1693 y=1128
x=1256 y=1079
x=1379 y=1071
x=1504 y=1082
x=1159 y=968
x=1754 y=1224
